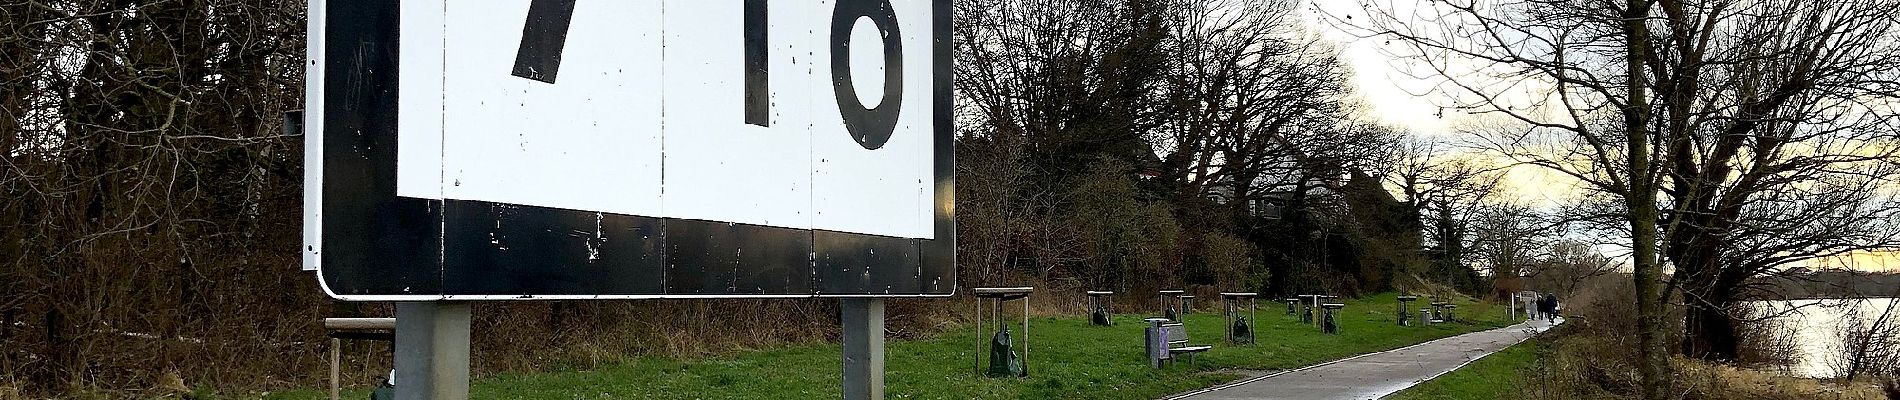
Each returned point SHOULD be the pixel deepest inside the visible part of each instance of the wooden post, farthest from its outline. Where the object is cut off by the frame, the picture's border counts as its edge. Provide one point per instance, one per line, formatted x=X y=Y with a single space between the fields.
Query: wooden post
x=1025 y=334
x=336 y=371
x=979 y=335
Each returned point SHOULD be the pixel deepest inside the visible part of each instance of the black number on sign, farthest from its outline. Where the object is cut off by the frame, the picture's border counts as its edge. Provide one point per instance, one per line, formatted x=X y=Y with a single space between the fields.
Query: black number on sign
x=758 y=105
x=545 y=34
x=871 y=127
x=542 y=39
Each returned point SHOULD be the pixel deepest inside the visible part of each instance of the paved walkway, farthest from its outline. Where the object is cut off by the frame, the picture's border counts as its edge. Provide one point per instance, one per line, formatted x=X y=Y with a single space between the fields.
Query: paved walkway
x=1374 y=375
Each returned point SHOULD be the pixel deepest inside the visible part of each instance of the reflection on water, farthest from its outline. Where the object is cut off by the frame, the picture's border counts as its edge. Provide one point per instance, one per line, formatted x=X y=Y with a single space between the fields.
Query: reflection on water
x=1817 y=327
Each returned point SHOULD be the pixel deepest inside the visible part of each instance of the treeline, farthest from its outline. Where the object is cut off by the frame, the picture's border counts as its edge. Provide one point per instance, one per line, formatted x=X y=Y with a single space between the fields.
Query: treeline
x=1141 y=144
x=1826 y=284
x=151 y=213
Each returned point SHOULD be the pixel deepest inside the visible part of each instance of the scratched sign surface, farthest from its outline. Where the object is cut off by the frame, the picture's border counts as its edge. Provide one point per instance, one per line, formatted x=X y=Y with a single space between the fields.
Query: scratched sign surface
x=513 y=149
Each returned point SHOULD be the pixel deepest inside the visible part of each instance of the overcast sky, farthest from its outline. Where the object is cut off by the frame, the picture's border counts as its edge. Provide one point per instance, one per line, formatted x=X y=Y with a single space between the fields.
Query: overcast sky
x=1403 y=101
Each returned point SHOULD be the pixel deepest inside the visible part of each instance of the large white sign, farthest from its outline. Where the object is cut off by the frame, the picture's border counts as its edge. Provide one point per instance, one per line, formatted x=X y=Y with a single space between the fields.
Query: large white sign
x=730 y=111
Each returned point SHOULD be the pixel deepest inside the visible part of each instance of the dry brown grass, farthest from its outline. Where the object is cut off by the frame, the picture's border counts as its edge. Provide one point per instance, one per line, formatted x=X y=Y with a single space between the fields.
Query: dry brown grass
x=1583 y=364
x=1701 y=380
x=1593 y=356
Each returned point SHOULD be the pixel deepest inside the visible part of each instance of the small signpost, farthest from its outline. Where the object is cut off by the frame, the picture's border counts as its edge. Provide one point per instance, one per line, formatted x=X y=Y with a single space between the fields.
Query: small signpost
x=555 y=149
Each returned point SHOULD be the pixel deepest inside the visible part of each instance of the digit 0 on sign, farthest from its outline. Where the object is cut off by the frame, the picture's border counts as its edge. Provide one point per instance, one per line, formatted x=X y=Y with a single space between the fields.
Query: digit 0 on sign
x=871 y=127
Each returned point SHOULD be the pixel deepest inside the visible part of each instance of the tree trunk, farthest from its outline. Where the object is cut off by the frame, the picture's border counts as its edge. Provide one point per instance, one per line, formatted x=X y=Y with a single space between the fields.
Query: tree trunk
x=1709 y=288
x=1641 y=202
x=1653 y=363
x=1710 y=333
x=57 y=348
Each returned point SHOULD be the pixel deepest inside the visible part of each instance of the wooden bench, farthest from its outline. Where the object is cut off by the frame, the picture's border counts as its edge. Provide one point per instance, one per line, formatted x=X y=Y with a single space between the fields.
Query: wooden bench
x=1175 y=338
x=378 y=329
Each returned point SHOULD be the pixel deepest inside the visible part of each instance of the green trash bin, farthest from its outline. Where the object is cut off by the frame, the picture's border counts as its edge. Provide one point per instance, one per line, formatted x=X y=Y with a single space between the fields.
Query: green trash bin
x=1242 y=330
x=1100 y=316
x=1003 y=359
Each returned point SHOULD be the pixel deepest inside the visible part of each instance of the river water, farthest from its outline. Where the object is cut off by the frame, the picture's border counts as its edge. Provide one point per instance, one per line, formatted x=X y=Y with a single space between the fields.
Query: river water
x=1817 y=328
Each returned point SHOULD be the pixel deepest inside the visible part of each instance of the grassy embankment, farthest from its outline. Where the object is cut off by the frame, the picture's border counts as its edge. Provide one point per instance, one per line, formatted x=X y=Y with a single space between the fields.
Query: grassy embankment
x=1496 y=376
x=1554 y=367
x=1068 y=358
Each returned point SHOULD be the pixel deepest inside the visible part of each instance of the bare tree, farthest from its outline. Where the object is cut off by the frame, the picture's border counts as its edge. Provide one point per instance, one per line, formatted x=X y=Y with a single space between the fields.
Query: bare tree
x=1514 y=240
x=141 y=153
x=1732 y=116
x=1568 y=264
x=1451 y=193
x=1869 y=342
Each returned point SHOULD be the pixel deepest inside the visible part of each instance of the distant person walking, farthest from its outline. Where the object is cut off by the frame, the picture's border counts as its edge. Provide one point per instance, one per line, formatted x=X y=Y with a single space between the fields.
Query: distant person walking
x=1548 y=307
x=1532 y=303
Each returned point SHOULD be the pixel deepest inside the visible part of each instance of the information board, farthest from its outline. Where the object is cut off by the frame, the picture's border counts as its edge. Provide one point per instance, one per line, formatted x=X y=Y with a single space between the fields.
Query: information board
x=512 y=149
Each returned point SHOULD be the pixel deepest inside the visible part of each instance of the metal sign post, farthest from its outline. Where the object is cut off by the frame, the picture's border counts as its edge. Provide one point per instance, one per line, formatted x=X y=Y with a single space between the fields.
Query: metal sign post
x=1513 y=307
x=863 y=347
x=432 y=350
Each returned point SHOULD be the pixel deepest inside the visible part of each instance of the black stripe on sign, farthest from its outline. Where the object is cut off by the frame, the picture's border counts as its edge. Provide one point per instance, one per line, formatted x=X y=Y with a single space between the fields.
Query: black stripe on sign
x=757 y=70
x=542 y=39
x=374 y=242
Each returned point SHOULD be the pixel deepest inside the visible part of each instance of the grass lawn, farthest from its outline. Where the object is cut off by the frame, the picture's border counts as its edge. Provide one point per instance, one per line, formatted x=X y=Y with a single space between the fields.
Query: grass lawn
x=1068 y=358
x=1495 y=376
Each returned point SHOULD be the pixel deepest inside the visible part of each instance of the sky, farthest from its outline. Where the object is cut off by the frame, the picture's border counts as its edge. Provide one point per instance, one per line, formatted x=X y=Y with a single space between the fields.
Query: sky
x=1398 y=99
x=1388 y=90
